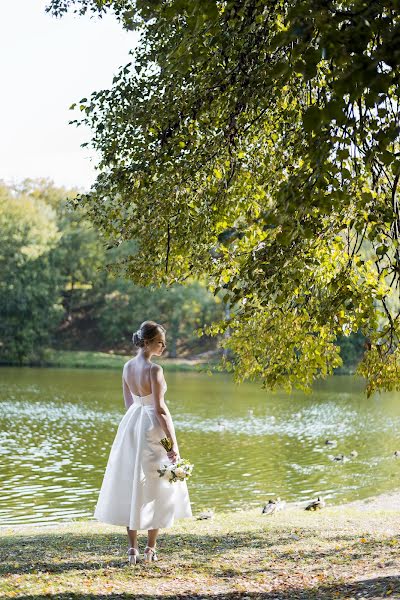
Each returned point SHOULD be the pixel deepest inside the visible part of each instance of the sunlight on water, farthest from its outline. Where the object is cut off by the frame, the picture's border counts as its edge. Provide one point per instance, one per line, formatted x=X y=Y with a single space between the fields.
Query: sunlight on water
x=57 y=427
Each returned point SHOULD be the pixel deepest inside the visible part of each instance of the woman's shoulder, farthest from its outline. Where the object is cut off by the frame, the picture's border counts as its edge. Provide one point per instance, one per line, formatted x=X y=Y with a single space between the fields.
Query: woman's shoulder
x=157 y=374
x=128 y=363
x=129 y=366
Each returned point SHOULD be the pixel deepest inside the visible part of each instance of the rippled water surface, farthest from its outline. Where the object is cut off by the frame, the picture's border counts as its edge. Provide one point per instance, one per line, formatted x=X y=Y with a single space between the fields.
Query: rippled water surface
x=57 y=427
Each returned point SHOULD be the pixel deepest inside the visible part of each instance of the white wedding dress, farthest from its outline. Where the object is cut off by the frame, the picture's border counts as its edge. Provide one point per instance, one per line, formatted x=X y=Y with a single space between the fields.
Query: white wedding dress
x=133 y=493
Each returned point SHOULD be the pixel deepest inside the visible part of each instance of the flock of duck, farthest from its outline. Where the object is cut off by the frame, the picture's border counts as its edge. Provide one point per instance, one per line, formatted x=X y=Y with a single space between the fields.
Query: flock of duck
x=270 y=508
x=340 y=457
x=276 y=505
x=273 y=506
x=353 y=453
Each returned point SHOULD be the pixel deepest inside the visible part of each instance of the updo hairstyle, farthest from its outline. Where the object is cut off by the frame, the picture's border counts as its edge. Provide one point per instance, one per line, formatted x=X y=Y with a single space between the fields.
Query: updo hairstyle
x=147 y=331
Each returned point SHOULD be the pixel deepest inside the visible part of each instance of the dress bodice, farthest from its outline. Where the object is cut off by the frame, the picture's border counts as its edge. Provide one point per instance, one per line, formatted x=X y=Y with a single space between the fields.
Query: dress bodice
x=147 y=400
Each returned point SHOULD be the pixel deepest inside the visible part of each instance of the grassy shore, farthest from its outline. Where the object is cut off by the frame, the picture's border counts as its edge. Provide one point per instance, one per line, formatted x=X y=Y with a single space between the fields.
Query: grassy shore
x=81 y=359
x=85 y=359
x=337 y=553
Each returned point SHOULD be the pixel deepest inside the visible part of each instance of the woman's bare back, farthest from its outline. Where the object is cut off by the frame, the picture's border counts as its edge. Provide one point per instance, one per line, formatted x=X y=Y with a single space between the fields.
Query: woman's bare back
x=137 y=376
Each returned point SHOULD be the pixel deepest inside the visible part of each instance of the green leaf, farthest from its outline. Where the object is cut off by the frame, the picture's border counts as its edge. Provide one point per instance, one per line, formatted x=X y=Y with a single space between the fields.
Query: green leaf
x=312 y=119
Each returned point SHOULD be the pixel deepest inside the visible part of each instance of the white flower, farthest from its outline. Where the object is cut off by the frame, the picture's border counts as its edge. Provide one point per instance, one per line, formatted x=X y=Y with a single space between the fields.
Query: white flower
x=177 y=471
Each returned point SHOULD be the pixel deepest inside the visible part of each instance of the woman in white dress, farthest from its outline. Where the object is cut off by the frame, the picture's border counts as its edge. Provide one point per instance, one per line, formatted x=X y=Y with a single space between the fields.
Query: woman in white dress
x=132 y=493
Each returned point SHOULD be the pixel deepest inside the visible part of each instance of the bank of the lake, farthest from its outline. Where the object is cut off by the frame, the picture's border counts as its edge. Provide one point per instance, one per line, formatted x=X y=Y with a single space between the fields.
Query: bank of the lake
x=85 y=359
x=82 y=359
x=339 y=552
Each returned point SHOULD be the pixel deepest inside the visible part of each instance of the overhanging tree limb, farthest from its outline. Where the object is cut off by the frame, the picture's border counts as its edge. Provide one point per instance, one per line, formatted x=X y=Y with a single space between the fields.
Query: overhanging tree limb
x=279 y=119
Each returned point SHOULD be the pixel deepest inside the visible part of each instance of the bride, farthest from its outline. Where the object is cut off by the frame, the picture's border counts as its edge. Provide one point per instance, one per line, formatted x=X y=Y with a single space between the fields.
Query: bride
x=132 y=493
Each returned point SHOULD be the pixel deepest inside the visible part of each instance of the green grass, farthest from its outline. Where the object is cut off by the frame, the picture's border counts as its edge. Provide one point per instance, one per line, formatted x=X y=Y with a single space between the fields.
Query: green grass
x=103 y=360
x=335 y=553
x=85 y=359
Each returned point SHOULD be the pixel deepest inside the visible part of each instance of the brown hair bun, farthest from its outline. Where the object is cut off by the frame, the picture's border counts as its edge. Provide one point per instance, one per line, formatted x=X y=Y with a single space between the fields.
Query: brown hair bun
x=147 y=331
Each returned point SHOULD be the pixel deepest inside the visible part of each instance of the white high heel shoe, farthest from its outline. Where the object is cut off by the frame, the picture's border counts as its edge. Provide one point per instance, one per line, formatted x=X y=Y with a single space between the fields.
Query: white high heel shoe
x=133 y=555
x=150 y=554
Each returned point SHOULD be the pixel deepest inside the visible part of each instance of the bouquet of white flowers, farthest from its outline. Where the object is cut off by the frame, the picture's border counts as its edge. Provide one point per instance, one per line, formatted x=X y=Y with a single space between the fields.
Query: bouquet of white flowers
x=178 y=471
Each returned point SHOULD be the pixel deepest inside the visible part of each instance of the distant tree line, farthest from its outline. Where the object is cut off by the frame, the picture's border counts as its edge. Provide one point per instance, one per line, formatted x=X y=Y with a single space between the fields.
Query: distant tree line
x=57 y=289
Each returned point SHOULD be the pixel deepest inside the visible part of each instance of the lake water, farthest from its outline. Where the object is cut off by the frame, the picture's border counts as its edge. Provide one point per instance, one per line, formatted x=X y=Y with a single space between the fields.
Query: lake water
x=248 y=445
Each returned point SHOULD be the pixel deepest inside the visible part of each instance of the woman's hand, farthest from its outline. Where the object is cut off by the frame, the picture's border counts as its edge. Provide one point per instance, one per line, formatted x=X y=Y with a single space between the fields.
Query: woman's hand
x=173 y=454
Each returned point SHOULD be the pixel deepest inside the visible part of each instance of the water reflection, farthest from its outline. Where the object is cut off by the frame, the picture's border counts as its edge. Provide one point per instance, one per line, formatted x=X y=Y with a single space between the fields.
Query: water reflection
x=57 y=427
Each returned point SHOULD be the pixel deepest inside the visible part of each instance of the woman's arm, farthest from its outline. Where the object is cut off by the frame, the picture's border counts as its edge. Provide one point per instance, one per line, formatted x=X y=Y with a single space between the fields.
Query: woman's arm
x=126 y=392
x=161 y=409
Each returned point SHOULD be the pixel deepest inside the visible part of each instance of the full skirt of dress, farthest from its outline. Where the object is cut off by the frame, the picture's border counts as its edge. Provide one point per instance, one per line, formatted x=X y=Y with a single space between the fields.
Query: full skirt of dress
x=132 y=493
